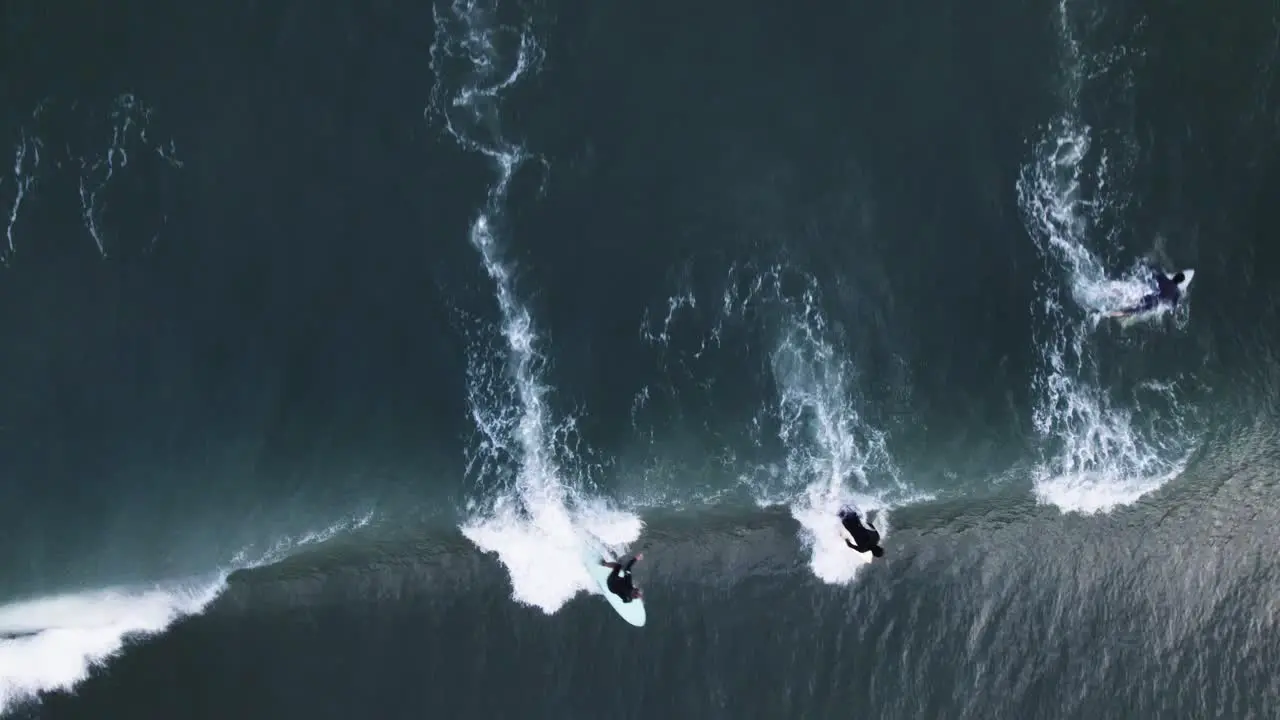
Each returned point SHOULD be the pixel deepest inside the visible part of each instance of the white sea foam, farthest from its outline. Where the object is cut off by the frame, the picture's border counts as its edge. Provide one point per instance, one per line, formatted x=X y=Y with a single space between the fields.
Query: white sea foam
x=831 y=449
x=835 y=456
x=540 y=545
x=537 y=522
x=1096 y=456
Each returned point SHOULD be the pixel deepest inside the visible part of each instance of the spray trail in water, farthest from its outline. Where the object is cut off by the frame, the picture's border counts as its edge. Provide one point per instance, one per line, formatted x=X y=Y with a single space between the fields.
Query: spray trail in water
x=124 y=171
x=1098 y=457
x=536 y=522
x=834 y=455
x=837 y=456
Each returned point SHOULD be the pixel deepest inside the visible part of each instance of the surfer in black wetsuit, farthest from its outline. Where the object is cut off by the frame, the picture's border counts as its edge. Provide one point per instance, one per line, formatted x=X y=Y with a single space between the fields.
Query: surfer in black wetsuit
x=867 y=538
x=1167 y=292
x=620 y=579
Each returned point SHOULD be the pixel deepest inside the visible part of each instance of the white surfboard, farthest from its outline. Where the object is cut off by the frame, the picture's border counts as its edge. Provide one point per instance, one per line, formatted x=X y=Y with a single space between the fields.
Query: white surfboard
x=632 y=612
x=862 y=557
x=1186 y=279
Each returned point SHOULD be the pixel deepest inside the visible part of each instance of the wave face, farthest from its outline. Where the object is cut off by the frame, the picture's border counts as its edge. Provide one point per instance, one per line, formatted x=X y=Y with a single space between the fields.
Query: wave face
x=335 y=341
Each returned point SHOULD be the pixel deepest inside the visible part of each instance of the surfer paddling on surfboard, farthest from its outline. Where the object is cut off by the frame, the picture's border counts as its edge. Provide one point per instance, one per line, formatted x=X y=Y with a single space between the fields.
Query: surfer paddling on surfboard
x=620 y=579
x=1168 y=292
x=866 y=538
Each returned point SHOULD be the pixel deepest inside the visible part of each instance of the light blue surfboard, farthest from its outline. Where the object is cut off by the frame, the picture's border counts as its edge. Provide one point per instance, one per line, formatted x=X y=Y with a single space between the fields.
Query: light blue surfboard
x=632 y=612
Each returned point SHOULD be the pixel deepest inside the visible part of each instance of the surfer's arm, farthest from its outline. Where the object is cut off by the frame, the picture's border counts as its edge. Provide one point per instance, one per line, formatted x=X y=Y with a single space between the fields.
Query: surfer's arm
x=612 y=565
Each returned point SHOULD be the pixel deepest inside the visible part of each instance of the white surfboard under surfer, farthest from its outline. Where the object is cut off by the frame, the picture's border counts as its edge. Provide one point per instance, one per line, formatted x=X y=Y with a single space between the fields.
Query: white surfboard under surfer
x=615 y=582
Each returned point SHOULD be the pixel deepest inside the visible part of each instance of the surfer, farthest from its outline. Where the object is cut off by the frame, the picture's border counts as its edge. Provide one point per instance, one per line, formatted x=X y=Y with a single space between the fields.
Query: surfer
x=1168 y=292
x=867 y=538
x=620 y=579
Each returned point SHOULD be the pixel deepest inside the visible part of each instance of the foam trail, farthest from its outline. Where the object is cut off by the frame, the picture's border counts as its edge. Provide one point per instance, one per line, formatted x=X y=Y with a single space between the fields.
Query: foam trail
x=1097 y=458
x=835 y=457
x=127 y=129
x=838 y=456
x=26 y=160
x=128 y=121
x=51 y=643
x=536 y=525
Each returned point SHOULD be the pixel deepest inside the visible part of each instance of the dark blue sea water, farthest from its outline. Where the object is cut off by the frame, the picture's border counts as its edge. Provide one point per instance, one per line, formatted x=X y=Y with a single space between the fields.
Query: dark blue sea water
x=330 y=334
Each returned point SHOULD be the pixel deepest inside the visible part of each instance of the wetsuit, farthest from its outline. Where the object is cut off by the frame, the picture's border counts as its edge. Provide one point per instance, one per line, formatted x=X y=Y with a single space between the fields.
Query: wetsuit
x=620 y=580
x=864 y=537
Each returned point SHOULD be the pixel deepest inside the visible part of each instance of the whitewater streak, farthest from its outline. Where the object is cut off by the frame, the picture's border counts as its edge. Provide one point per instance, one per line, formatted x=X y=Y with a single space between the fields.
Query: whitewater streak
x=835 y=457
x=1098 y=458
x=130 y=142
x=831 y=448
x=536 y=527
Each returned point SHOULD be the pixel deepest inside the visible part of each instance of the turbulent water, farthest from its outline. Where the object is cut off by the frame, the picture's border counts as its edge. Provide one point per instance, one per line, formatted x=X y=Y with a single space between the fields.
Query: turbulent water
x=332 y=334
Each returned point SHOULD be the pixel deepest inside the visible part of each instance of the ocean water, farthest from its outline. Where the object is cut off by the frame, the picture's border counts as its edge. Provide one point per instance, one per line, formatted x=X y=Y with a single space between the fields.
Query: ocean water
x=329 y=334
